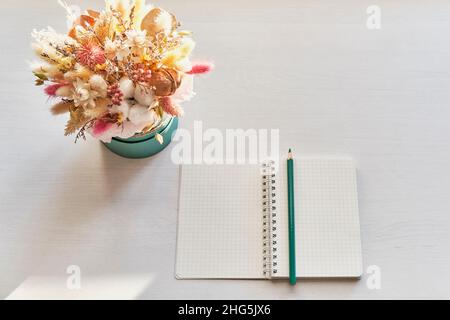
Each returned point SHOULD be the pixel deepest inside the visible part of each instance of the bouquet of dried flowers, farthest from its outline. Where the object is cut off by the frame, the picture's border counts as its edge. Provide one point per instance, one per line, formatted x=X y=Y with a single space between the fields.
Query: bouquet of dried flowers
x=117 y=72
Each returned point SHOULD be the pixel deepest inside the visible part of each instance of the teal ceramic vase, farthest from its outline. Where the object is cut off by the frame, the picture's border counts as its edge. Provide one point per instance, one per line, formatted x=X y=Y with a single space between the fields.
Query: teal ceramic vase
x=144 y=145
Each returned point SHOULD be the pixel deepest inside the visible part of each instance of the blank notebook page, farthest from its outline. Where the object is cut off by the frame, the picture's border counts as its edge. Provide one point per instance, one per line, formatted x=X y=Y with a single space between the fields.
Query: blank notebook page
x=219 y=227
x=328 y=240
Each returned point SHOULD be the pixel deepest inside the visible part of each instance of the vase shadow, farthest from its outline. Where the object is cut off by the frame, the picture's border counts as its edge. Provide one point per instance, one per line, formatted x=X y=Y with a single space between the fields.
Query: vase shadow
x=119 y=171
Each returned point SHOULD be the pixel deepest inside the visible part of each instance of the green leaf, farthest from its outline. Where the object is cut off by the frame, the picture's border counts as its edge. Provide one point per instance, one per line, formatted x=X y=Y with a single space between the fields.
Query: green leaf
x=41 y=76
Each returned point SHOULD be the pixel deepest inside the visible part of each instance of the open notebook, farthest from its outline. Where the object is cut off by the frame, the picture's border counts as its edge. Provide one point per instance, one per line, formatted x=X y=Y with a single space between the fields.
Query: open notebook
x=233 y=221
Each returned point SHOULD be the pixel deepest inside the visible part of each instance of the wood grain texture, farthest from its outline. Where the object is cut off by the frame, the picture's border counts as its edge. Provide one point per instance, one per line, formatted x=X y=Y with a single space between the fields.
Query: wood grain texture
x=310 y=68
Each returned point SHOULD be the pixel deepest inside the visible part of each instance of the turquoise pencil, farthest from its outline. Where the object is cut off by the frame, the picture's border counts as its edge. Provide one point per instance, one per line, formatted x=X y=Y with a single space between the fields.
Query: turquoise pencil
x=291 y=207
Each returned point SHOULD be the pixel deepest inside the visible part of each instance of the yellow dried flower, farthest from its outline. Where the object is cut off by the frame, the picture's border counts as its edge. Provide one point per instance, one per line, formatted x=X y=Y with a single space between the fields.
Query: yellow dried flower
x=139 y=6
x=146 y=58
x=182 y=52
x=120 y=118
x=119 y=28
x=66 y=63
x=77 y=120
x=78 y=72
x=100 y=67
x=184 y=33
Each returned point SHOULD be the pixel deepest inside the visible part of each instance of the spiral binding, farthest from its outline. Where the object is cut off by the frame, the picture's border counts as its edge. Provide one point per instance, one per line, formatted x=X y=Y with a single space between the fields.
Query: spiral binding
x=269 y=207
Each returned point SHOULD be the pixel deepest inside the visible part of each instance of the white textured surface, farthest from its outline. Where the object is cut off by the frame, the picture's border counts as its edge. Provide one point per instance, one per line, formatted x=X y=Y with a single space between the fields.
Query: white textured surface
x=220 y=222
x=309 y=67
x=327 y=232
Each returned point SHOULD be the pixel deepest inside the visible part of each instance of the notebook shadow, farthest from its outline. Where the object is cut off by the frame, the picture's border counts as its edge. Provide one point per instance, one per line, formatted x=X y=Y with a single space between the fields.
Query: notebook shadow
x=212 y=289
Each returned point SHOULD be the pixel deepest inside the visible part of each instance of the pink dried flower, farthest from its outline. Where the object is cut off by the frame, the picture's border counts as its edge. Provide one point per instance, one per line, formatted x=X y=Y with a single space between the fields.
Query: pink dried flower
x=168 y=106
x=201 y=68
x=90 y=55
x=115 y=94
x=100 y=127
x=53 y=88
x=141 y=74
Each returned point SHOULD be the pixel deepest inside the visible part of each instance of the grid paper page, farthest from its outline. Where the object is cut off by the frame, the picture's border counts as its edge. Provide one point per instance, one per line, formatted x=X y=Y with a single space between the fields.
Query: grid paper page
x=328 y=240
x=220 y=222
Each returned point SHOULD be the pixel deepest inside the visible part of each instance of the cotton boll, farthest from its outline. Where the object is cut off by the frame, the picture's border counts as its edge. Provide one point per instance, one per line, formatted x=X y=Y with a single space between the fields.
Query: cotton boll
x=141 y=115
x=127 y=87
x=129 y=129
x=99 y=84
x=124 y=109
x=144 y=96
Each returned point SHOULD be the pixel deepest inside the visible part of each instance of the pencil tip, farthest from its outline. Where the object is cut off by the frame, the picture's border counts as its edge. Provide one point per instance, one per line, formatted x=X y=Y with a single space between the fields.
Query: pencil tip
x=290 y=156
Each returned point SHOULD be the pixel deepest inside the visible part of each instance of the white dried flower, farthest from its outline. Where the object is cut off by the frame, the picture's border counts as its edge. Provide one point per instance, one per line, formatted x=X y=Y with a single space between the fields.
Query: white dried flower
x=122 y=52
x=142 y=115
x=71 y=12
x=136 y=38
x=111 y=48
x=49 y=35
x=127 y=87
x=116 y=49
x=99 y=84
x=165 y=22
x=124 y=109
x=144 y=96
x=83 y=94
x=49 y=70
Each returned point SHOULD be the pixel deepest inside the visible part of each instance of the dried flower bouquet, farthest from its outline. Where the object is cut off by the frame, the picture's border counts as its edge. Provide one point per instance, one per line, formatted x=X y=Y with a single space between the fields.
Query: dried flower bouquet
x=117 y=72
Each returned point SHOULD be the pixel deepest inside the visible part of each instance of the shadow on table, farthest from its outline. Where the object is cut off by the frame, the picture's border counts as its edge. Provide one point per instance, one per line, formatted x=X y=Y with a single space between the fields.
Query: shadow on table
x=250 y=289
x=118 y=171
x=69 y=211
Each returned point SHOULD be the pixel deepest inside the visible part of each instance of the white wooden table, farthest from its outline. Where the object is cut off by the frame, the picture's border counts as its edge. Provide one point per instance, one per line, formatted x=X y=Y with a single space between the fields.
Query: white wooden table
x=310 y=68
